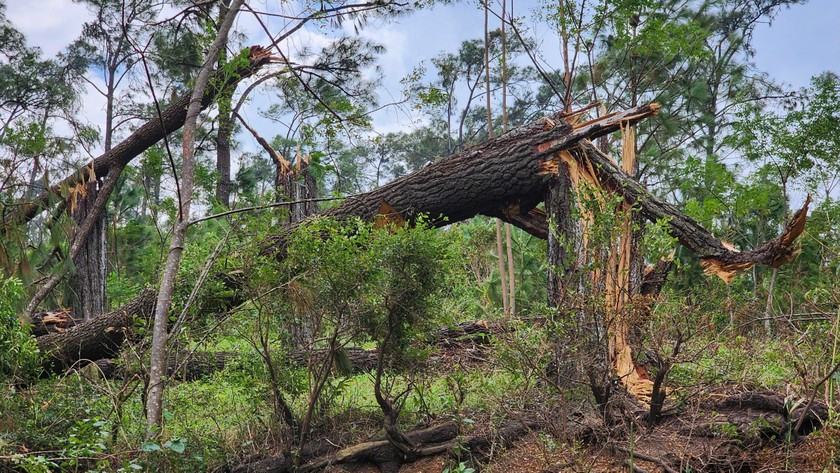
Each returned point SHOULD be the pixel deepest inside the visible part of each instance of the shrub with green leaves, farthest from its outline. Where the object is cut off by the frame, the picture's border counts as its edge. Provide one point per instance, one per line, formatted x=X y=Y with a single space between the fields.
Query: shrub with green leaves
x=18 y=350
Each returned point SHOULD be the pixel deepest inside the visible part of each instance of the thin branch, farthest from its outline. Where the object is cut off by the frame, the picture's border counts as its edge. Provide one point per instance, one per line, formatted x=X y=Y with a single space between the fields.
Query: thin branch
x=268 y=206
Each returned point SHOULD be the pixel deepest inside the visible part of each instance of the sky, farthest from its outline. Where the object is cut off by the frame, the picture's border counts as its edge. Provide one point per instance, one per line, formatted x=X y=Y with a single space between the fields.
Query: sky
x=801 y=42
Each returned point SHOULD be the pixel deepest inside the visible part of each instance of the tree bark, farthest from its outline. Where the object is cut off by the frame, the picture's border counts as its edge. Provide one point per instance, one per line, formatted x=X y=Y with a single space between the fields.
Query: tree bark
x=87 y=280
x=157 y=363
x=223 y=155
x=562 y=238
x=299 y=187
x=184 y=367
x=172 y=118
x=508 y=176
x=225 y=121
x=99 y=337
x=504 y=177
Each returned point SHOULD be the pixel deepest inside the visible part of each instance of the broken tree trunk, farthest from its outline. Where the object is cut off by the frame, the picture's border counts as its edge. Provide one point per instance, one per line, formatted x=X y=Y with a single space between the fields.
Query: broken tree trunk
x=171 y=119
x=100 y=337
x=718 y=258
x=502 y=177
x=319 y=455
x=508 y=176
x=87 y=280
x=51 y=321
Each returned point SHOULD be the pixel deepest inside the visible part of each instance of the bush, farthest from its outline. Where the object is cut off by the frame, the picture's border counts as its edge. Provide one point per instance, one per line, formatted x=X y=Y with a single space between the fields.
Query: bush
x=18 y=349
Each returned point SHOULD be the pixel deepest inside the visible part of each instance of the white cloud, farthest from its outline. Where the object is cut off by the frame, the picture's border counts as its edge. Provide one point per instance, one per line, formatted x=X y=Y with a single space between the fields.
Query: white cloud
x=48 y=24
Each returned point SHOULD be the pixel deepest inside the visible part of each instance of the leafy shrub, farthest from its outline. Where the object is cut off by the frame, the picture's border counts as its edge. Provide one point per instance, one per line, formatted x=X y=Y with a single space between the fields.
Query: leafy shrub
x=18 y=350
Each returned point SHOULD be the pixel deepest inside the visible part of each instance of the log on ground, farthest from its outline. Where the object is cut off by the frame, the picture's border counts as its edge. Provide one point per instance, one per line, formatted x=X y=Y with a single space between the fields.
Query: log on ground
x=100 y=337
x=430 y=441
x=183 y=367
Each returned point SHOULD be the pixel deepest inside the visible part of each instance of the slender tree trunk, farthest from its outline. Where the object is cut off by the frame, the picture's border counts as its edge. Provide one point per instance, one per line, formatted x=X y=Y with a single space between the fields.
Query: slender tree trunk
x=154 y=398
x=225 y=121
x=223 y=156
x=508 y=242
x=768 y=308
x=499 y=242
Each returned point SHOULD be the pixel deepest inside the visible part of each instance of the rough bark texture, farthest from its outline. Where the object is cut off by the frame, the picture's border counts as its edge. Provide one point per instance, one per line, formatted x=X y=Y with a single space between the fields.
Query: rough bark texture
x=296 y=185
x=440 y=439
x=87 y=281
x=225 y=123
x=503 y=176
x=654 y=277
x=148 y=134
x=430 y=441
x=481 y=447
x=562 y=238
x=184 y=367
x=508 y=176
x=100 y=337
x=716 y=256
x=223 y=156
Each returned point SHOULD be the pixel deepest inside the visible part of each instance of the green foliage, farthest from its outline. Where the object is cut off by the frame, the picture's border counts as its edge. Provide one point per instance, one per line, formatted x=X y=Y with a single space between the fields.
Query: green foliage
x=18 y=351
x=378 y=280
x=461 y=468
x=64 y=421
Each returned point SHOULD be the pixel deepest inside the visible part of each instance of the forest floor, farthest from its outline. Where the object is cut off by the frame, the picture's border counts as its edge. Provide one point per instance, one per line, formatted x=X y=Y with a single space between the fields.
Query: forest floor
x=727 y=428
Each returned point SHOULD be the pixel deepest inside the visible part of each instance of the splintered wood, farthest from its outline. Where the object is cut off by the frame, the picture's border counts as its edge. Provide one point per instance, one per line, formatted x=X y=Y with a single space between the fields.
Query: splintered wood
x=774 y=253
x=595 y=179
x=614 y=276
x=619 y=291
x=388 y=216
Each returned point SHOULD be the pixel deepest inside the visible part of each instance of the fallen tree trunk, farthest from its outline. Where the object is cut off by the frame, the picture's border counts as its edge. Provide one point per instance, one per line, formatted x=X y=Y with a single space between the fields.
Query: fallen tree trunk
x=440 y=439
x=718 y=258
x=86 y=340
x=52 y=321
x=100 y=337
x=506 y=177
x=501 y=177
x=171 y=119
x=184 y=367
x=316 y=455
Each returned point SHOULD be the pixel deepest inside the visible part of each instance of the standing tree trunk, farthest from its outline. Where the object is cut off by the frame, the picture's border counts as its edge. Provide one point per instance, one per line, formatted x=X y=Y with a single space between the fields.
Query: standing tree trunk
x=499 y=241
x=298 y=186
x=87 y=281
x=563 y=238
x=225 y=121
x=157 y=369
x=223 y=153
